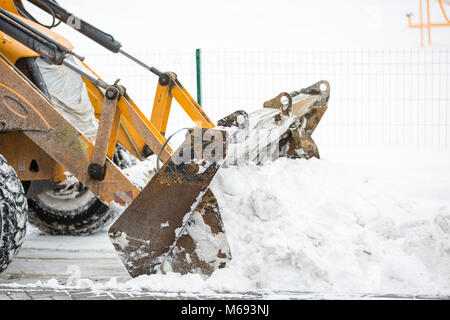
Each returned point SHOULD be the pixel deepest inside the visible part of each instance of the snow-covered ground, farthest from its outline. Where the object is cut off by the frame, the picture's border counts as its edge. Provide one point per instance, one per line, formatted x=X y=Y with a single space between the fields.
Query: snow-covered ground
x=357 y=221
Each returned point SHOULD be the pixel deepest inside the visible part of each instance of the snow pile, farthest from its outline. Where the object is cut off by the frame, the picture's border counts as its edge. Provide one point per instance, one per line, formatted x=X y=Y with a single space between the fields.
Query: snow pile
x=316 y=226
x=342 y=224
x=365 y=222
x=141 y=173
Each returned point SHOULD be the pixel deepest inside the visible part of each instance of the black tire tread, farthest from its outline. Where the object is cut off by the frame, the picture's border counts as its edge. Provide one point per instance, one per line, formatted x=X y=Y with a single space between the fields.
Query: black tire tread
x=82 y=221
x=13 y=214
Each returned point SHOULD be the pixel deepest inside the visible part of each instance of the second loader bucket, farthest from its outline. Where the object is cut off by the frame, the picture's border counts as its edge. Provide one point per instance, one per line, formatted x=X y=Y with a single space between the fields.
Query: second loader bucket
x=175 y=224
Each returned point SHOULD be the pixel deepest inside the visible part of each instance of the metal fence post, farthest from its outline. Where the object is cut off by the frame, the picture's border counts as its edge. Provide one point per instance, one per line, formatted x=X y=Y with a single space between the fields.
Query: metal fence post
x=199 y=75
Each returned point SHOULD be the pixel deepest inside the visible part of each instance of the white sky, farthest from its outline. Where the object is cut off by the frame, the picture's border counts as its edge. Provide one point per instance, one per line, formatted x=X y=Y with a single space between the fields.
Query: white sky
x=256 y=24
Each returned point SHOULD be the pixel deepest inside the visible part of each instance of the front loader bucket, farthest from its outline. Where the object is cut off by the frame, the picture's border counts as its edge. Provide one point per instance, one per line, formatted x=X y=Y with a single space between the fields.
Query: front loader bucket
x=175 y=224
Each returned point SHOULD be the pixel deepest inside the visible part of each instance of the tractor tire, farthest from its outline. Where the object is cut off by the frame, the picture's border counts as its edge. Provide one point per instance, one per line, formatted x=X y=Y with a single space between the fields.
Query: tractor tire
x=13 y=214
x=82 y=214
x=72 y=209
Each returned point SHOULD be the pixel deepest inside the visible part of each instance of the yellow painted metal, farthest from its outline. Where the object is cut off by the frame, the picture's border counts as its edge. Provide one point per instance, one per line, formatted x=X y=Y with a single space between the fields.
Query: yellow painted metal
x=161 y=108
x=96 y=97
x=108 y=118
x=192 y=108
x=130 y=139
x=58 y=173
x=14 y=50
x=421 y=25
x=21 y=158
x=114 y=134
x=152 y=137
x=163 y=101
x=9 y=6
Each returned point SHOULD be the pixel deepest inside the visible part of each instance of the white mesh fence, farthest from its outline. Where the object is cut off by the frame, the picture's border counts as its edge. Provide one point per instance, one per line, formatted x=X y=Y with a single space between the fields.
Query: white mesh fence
x=378 y=97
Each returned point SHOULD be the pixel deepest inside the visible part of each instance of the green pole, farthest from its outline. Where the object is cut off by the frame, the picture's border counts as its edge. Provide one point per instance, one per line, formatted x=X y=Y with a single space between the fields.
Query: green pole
x=199 y=75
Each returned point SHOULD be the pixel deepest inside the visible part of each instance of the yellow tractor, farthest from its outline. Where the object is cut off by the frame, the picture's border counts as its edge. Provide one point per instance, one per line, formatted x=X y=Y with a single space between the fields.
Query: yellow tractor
x=66 y=135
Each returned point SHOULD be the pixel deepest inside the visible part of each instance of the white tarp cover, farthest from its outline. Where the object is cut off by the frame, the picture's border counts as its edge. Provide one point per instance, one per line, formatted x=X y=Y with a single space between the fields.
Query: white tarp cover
x=69 y=95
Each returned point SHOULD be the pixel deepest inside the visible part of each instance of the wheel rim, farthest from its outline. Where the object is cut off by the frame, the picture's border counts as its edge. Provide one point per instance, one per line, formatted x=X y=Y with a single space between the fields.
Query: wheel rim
x=67 y=198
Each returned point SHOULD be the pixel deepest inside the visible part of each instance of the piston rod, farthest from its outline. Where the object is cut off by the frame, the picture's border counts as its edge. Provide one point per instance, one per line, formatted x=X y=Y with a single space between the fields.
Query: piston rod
x=102 y=38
